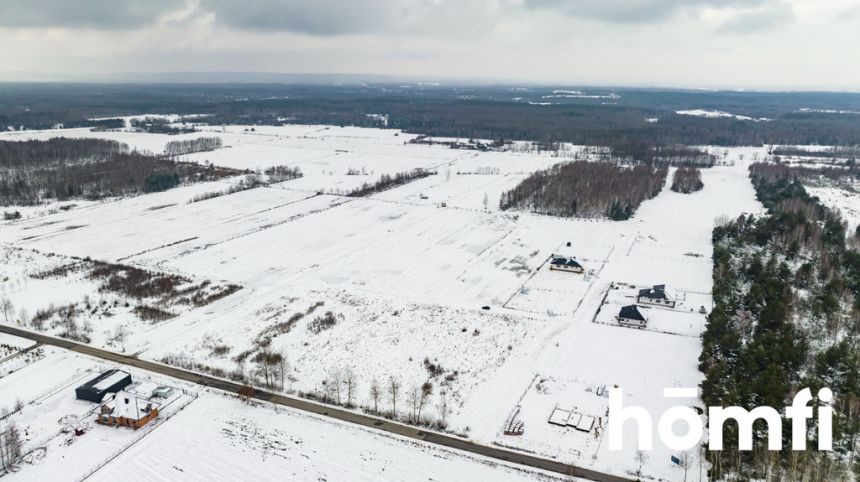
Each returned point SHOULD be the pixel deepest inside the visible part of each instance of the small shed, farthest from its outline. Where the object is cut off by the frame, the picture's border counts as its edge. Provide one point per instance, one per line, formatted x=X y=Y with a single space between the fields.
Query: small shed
x=110 y=381
x=631 y=316
x=559 y=417
x=585 y=423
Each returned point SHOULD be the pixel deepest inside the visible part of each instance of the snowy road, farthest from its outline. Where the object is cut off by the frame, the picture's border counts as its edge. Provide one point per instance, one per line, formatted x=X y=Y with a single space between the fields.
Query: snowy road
x=324 y=410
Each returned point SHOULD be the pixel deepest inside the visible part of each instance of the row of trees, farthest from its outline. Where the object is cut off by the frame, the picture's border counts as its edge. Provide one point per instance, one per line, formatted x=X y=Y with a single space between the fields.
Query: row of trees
x=777 y=171
x=340 y=387
x=837 y=152
x=387 y=181
x=687 y=180
x=57 y=152
x=786 y=316
x=251 y=180
x=160 y=125
x=188 y=146
x=282 y=173
x=587 y=189
x=634 y=152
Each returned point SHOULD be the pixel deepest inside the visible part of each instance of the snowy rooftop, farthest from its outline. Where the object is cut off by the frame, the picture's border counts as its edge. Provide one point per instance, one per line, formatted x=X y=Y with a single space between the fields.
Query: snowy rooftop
x=112 y=378
x=129 y=406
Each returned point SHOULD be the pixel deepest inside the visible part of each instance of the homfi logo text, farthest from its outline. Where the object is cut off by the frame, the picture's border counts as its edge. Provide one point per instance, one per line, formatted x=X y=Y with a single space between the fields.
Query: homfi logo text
x=799 y=413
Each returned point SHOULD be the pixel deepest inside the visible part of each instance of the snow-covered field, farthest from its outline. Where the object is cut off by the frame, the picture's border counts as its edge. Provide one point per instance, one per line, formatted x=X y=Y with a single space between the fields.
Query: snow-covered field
x=713 y=114
x=208 y=436
x=424 y=282
x=219 y=438
x=843 y=197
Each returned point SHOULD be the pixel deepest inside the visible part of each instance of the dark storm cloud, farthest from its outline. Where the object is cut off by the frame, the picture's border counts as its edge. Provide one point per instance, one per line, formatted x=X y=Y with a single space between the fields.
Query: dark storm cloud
x=97 y=14
x=344 y=17
x=316 y=17
x=632 y=11
x=335 y=17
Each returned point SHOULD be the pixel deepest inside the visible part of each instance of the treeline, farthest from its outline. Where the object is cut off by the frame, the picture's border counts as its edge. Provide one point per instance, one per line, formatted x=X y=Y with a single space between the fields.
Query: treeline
x=252 y=180
x=586 y=189
x=638 y=116
x=782 y=172
x=837 y=152
x=387 y=181
x=282 y=173
x=61 y=169
x=687 y=180
x=56 y=152
x=188 y=146
x=119 y=175
x=658 y=155
x=578 y=124
x=160 y=125
x=786 y=316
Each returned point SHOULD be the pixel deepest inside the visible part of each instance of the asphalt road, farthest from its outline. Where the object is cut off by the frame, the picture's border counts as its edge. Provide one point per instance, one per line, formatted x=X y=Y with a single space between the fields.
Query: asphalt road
x=324 y=410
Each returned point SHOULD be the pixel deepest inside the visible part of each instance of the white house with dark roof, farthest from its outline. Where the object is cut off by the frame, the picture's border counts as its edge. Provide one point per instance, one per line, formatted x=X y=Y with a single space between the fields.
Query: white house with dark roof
x=631 y=316
x=656 y=295
x=561 y=263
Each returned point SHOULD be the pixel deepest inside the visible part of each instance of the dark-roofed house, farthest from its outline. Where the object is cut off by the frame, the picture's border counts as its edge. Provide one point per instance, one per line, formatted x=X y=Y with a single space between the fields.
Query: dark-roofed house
x=561 y=263
x=631 y=316
x=655 y=296
x=110 y=381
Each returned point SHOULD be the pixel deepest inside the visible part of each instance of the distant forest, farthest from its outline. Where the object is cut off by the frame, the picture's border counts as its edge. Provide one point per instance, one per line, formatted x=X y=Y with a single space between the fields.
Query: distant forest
x=852 y=153
x=61 y=169
x=586 y=189
x=615 y=117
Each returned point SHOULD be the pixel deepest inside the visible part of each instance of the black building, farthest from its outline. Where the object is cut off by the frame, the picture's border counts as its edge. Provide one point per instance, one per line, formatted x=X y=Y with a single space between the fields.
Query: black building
x=110 y=381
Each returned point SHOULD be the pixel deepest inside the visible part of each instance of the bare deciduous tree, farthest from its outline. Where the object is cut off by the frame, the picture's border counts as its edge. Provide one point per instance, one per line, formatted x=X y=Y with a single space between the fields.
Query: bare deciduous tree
x=641 y=458
x=7 y=308
x=10 y=446
x=336 y=379
x=443 y=408
x=349 y=383
x=120 y=336
x=394 y=390
x=283 y=368
x=426 y=391
x=375 y=394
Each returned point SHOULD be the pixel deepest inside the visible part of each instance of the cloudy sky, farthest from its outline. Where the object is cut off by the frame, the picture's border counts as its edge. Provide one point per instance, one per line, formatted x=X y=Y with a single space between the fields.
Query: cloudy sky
x=772 y=44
